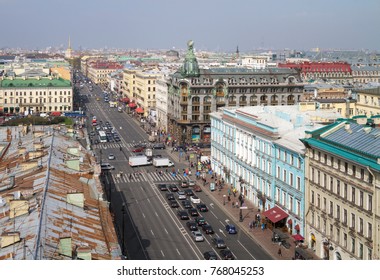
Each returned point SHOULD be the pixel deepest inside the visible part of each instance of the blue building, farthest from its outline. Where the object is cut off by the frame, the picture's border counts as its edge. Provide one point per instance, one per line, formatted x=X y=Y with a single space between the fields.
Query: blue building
x=257 y=150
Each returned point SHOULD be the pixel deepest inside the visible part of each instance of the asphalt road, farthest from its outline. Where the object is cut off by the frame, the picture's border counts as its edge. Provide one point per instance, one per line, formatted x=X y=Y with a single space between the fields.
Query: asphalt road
x=152 y=230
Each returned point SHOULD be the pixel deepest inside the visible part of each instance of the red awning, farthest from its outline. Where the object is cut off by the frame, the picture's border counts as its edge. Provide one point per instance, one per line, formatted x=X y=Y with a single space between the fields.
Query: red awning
x=132 y=105
x=275 y=214
x=140 y=110
x=298 y=237
x=290 y=222
x=125 y=100
x=297 y=227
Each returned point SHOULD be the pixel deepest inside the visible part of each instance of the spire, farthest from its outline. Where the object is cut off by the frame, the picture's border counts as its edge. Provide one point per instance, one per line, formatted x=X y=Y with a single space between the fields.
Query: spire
x=237 y=52
x=69 y=43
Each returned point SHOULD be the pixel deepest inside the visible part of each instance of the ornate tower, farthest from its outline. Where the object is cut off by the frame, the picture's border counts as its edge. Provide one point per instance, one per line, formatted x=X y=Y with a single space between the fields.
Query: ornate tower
x=190 y=67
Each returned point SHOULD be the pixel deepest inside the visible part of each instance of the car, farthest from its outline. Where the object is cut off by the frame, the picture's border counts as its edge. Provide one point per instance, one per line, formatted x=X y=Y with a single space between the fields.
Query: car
x=181 y=195
x=218 y=242
x=184 y=184
x=140 y=145
x=192 y=225
x=173 y=188
x=193 y=212
x=197 y=188
x=186 y=204
x=111 y=156
x=170 y=196
x=183 y=215
x=191 y=183
x=210 y=255
x=195 y=199
x=92 y=133
x=117 y=139
x=207 y=229
x=159 y=146
x=106 y=166
x=162 y=187
x=200 y=221
x=173 y=204
x=226 y=254
x=138 y=150
x=197 y=236
x=202 y=207
x=188 y=192
x=231 y=229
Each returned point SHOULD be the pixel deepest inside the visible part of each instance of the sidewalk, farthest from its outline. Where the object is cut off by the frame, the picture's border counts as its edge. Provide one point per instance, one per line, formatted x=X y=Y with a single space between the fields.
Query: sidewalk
x=262 y=237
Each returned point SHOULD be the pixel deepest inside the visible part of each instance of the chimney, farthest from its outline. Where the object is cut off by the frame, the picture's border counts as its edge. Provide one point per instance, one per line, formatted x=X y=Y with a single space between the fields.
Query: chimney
x=347 y=126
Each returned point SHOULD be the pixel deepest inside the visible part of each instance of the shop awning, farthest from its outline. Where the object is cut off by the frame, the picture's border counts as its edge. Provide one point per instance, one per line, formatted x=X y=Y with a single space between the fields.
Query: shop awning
x=275 y=214
x=298 y=237
x=140 y=110
x=297 y=227
x=290 y=222
x=125 y=100
x=132 y=105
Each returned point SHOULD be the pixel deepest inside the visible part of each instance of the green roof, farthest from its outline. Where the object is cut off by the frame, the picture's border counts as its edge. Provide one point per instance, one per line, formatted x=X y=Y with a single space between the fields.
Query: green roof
x=28 y=83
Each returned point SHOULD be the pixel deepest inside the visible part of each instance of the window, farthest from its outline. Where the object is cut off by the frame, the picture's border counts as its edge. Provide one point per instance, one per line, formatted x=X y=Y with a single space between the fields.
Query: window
x=331 y=208
x=345 y=216
x=298 y=210
x=278 y=172
x=298 y=183
x=345 y=191
x=291 y=179
x=338 y=212
x=284 y=176
x=338 y=235
x=362 y=173
x=324 y=203
x=312 y=197
x=318 y=200
x=353 y=220
x=361 y=251
x=369 y=208
x=361 y=198
x=353 y=245
x=353 y=190
x=338 y=187
x=361 y=225
x=345 y=240
x=354 y=170
x=369 y=231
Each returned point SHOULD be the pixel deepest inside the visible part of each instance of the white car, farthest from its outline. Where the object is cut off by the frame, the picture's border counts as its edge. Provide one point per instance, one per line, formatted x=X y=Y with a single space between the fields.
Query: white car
x=195 y=199
x=191 y=183
x=197 y=236
x=181 y=195
x=111 y=156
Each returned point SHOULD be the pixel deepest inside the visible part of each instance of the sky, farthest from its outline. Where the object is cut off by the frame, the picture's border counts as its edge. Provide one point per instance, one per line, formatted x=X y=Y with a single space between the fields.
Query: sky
x=214 y=25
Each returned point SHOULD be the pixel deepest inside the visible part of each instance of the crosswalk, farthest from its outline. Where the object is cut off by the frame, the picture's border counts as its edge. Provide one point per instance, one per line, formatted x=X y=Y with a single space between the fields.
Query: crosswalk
x=144 y=177
x=112 y=145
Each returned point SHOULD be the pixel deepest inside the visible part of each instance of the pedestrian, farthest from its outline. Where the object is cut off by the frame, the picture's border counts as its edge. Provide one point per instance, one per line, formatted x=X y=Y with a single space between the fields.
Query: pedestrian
x=279 y=252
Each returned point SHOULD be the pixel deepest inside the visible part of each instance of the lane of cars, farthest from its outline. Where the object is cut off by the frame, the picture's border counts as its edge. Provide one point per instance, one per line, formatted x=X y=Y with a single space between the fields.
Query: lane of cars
x=189 y=209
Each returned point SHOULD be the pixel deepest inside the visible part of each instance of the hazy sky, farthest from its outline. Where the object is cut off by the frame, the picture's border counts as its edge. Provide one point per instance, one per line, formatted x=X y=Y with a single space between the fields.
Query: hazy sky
x=211 y=24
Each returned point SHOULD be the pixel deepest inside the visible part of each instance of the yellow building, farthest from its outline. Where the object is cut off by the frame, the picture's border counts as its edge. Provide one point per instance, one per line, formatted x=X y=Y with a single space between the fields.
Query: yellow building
x=140 y=87
x=368 y=102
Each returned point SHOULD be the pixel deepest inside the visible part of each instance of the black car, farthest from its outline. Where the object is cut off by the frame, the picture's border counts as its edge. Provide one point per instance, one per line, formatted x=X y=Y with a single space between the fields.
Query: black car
x=202 y=207
x=218 y=243
x=200 y=221
x=183 y=215
x=207 y=229
x=173 y=204
x=226 y=254
x=173 y=188
x=189 y=192
x=193 y=212
x=186 y=204
x=162 y=187
x=192 y=225
x=210 y=255
x=159 y=146
x=170 y=196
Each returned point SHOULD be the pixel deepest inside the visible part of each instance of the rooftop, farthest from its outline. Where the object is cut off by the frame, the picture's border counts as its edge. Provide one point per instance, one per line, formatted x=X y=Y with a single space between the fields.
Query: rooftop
x=34 y=82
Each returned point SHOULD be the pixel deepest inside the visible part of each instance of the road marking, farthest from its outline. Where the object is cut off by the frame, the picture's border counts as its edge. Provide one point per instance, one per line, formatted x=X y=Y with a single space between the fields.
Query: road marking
x=178 y=251
x=221 y=223
x=214 y=214
x=222 y=232
x=156 y=214
x=166 y=231
x=227 y=220
x=162 y=253
x=246 y=250
x=148 y=200
x=143 y=215
x=152 y=232
x=212 y=205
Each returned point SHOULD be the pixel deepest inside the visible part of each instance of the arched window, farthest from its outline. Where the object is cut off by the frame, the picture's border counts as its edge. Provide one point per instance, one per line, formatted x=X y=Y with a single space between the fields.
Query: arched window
x=195 y=99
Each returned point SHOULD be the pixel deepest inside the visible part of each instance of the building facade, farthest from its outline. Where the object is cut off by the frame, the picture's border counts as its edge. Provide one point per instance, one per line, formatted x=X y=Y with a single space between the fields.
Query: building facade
x=366 y=74
x=195 y=92
x=343 y=190
x=98 y=72
x=35 y=95
x=256 y=149
x=368 y=102
x=162 y=104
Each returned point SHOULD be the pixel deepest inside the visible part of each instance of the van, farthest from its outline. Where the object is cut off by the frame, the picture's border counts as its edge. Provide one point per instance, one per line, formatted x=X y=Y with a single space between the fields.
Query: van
x=106 y=166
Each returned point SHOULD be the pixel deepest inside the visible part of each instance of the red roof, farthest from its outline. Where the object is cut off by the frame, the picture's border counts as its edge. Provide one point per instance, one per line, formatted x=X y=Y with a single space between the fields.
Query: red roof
x=313 y=66
x=275 y=214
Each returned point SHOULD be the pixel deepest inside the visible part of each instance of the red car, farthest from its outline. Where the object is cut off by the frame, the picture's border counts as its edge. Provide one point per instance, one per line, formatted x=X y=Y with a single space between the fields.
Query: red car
x=138 y=150
x=197 y=188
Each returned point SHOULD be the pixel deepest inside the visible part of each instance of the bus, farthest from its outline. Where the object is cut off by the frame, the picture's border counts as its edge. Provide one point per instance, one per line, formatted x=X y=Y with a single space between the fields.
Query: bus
x=102 y=136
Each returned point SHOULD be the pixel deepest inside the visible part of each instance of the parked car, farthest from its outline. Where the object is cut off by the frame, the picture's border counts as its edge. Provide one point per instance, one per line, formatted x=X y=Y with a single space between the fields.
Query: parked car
x=185 y=184
x=231 y=229
x=173 y=188
x=186 y=204
x=191 y=183
x=181 y=195
x=170 y=196
x=111 y=156
x=200 y=221
x=192 y=225
x=193 y=212
x=162 y=187
x=173 y=204
x=159 y=146
x=183 y=215
x=138 y=150
x=188 y=192
x=210 y=255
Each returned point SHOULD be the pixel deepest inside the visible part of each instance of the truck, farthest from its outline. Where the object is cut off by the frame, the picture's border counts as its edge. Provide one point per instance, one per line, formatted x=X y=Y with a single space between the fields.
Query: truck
x=139 y=161
x=162 y=162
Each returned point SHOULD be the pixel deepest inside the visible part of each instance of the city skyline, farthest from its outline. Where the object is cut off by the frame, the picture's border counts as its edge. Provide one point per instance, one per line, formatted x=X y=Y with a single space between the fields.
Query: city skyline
x=213 y=25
